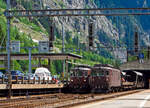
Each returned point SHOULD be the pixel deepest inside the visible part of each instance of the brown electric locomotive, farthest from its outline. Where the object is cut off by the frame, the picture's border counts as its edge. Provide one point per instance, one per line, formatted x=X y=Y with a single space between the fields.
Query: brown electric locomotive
x=79 y=79
x=103 y=78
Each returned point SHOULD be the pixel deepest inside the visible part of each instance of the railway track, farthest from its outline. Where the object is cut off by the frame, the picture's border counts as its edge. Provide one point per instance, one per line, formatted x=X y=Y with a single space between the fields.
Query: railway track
x=91 y=98
x=37 y=101
x=59 y=100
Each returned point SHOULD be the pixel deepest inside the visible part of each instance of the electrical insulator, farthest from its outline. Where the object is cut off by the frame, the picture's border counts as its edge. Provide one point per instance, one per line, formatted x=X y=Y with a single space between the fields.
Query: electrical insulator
x=91 y=34
x=51 y=35
x=136 y=42
x=91 y=29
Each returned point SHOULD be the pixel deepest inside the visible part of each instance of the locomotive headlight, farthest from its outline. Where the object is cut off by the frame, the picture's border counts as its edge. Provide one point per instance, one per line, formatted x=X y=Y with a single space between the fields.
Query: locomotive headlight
x=84 y=80
x=107 y=79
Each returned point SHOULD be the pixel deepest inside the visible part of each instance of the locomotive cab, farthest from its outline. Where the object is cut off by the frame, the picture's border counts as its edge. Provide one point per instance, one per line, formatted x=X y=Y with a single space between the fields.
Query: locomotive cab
x=105 y=78
x=99 y=79
x=79 y=78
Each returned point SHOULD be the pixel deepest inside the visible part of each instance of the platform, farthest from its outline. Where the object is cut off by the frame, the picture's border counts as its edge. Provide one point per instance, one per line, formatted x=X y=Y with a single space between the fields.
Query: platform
x=32 y=86
x=135 y=65
x=137 y=100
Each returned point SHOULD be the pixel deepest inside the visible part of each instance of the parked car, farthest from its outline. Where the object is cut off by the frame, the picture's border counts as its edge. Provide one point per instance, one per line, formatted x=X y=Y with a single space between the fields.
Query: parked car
x=32 y=76
x=17 y=73
x=43 y=73
x=1 y=74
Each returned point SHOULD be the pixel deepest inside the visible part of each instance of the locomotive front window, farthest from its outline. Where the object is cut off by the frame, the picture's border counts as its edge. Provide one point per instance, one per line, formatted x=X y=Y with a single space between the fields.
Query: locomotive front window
x=85 y=73
x=101 y=73
x=79 y=73
x=73 y=73
x=97 y=72
x=94 y=73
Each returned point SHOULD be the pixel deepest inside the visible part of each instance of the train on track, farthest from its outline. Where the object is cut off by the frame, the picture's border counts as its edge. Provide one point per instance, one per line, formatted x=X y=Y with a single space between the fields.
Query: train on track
x=103 y=78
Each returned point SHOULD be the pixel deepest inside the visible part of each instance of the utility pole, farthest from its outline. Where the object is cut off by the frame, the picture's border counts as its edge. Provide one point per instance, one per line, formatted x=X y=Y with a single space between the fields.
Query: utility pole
x=63 y=39
x=8 y=51
x=63 y=47
x=51 y=39
x=127 y=55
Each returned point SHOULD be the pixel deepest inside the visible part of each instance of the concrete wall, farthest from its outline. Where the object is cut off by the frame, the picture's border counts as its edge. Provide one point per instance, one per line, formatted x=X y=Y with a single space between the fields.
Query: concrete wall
x=135 y=65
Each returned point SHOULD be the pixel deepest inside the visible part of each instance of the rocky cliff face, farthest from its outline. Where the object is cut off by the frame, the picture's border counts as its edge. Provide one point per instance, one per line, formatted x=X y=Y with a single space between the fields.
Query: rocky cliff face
x=80 y=24
x=108 y=31
x=141 y=22
x=105 y=31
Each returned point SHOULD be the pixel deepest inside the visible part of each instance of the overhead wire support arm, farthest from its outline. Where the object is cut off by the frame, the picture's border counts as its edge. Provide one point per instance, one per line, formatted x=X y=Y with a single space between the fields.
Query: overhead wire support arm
x=78 y=12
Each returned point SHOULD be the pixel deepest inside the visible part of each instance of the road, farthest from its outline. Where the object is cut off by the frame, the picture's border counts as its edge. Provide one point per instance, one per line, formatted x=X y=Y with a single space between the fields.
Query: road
x=137 y=100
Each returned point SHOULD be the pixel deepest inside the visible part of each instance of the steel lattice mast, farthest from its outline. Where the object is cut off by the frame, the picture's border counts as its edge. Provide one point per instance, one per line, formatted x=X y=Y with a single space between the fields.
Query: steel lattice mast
x=8 y=49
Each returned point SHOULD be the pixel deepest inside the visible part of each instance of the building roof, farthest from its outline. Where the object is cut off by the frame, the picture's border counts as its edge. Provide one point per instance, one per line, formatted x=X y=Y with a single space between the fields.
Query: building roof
x=51 y=56
x=81 y=68
x=138 y=73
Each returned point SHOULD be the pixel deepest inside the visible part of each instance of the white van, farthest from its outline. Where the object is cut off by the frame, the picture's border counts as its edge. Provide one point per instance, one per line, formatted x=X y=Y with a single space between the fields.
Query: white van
x=43 y=73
